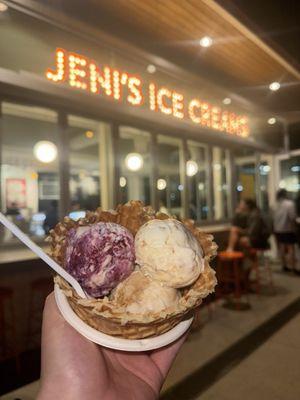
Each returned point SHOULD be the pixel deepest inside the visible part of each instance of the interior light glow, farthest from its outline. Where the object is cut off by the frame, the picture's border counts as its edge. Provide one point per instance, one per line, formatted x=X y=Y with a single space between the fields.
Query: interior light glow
x=45 y=151
x=134 y=161
x=161 y=184
x=151 y=69
x=274 y=86
x=3 y=7
x=89 y=134
x=123 y=181
x=295 y=168
x=272 y=121
x=227 y=101
x=201 y=186
x=191 y=168
x=206 y=41
x=180 y=188
x=239 y=188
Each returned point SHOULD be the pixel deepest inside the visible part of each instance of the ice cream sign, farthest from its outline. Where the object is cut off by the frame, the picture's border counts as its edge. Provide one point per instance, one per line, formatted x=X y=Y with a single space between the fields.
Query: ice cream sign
x=84 y=74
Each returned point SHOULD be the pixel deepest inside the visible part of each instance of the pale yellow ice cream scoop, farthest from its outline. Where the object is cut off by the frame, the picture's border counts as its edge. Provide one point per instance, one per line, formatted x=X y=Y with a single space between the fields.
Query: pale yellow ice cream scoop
x=168 y=252
x=141 y=295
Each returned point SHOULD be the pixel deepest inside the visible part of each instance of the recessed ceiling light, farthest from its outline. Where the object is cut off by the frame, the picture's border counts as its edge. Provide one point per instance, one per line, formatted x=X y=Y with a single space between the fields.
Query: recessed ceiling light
x=3 y=7
x=45 y=151
x=134 y=161
x=274 y=86
x=151 y=69
x=161 y=184
x=206 y=41
x=272 y=121
x=227 y=101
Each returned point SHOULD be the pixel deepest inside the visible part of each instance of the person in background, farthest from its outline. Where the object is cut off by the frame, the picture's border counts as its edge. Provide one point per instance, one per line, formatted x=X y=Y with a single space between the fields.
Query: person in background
x=249 y=230
x=51 y=217
x=284 y=220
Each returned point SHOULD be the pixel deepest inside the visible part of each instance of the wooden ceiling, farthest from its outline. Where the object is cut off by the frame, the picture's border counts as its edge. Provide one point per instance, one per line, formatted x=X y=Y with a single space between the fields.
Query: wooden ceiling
x=239 y=61
x=180 y=24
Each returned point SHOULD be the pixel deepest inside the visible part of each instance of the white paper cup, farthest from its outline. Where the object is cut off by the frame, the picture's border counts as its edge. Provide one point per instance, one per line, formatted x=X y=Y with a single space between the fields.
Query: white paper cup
x=114 y=342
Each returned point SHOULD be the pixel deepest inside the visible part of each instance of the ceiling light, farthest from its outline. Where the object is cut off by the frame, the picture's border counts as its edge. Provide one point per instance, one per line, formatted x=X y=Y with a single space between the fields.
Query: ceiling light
x=206 y=41
x=151 y=69
x=89 y=134
x=123 y=181
x=191 y=168
x=227 y=101
x=180 y=188
x=45 y=151
x=274 y=86
x=272 y=121
x=134 y=161
x=3 y=7
x=161 y=184
x=201 y=186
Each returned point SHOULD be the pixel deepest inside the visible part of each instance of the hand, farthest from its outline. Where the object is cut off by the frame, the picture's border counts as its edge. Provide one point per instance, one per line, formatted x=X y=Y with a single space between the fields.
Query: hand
x=75 y=368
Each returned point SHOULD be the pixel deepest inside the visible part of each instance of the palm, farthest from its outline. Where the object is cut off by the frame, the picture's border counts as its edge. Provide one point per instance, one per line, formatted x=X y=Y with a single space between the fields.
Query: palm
x=75 y=368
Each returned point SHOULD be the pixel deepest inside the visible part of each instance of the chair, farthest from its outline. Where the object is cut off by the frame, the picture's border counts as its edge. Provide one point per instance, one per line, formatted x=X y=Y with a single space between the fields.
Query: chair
x=231 y=277
x=8 y=347
x=262 y=270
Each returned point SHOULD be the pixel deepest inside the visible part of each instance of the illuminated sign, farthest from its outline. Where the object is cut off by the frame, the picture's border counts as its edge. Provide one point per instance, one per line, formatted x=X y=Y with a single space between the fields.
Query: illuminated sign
x=83 y=73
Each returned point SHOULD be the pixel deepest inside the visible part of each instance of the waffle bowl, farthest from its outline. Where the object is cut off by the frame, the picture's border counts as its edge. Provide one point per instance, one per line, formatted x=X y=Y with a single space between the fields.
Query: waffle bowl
x=108 y=316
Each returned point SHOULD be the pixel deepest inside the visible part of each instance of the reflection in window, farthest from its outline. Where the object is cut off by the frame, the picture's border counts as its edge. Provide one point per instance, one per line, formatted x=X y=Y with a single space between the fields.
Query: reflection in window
x=290 y=175
x=86 y=139
x=264 y=172
x=29 y=171
x=220 y=183
x=135 y=165
x=170 y=175
x=245 y=160
x=196 y=171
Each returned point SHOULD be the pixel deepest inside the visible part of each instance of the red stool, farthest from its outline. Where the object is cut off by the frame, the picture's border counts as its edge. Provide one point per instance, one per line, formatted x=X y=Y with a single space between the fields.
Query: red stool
x=261 y=270
x=39 y=290
x=230 y=273
x=8 y=348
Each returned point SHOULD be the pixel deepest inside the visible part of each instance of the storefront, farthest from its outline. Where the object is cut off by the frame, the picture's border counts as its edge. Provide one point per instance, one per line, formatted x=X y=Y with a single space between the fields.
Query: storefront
x=85 y=123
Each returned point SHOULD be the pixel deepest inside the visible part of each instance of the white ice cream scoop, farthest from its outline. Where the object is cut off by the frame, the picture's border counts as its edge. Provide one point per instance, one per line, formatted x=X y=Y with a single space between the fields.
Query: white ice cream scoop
x=168 y=252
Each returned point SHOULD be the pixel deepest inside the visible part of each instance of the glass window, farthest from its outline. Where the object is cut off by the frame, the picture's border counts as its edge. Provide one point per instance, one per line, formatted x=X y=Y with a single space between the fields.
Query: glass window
x=29 y=172
x=196 y=170
x=290 y=175
x=134 y=164
x=245 y=161
x=265 y=189
x=170 y=183
x=88 y=154
x=220 y=171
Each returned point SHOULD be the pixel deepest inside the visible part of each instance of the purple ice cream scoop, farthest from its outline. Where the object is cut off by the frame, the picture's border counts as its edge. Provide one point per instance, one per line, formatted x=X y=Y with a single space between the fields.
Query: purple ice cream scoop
x=100 y=256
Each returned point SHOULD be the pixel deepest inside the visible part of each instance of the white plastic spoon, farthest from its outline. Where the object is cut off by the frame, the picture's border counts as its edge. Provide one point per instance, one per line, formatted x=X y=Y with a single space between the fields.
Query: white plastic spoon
x=40 y=253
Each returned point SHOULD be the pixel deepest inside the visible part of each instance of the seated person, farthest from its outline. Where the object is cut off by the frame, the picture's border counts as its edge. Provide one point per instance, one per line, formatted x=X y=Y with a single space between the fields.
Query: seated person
x=249 y=229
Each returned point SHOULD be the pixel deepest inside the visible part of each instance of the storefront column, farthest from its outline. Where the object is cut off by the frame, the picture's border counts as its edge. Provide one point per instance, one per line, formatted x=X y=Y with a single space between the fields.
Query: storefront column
x=210 y=184
x=231 y=179
x=154 y=172
x=217 y=180
x=106 y=166
x=116 y=167
x=257 y=180
x=183 y=179
x=64 y=165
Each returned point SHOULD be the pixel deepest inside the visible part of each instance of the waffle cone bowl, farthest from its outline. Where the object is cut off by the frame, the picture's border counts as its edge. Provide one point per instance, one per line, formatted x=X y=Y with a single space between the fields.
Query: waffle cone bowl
x=108 y=315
